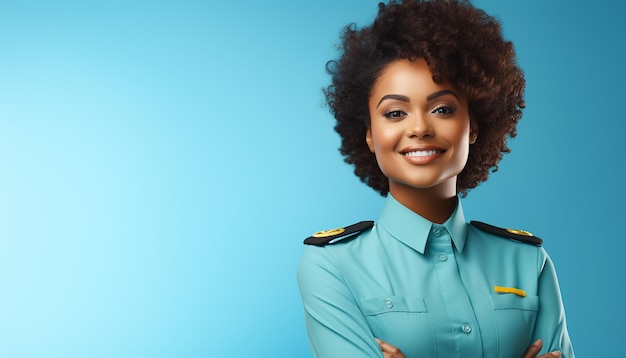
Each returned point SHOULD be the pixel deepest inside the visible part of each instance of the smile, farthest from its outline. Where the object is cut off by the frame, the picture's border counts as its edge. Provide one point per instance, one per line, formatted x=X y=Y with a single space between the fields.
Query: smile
x=421 y=153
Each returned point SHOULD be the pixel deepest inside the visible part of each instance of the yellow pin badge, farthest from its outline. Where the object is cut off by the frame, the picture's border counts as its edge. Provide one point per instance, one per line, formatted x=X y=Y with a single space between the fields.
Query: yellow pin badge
x=326 y=237
x=515 y=291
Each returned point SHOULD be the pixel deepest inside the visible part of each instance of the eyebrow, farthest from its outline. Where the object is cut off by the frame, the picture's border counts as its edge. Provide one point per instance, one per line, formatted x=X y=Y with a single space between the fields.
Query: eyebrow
x=398 y=97
x=430 y=97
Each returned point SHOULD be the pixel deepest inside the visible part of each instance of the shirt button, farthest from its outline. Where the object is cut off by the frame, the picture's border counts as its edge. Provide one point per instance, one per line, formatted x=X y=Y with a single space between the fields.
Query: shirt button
x=466 y=328
x=443 y=257
x=437 y=231
x=388 y=303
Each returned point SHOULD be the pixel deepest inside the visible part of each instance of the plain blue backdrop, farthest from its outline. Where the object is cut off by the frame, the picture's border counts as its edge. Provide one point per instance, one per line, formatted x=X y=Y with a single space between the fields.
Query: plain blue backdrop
x=162 y=161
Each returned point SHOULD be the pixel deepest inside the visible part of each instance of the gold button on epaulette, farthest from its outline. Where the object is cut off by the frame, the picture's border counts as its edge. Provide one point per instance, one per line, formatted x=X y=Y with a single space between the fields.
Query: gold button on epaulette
x=325 y=237
x=519 y=232
x=514 y=234
x=327 y=233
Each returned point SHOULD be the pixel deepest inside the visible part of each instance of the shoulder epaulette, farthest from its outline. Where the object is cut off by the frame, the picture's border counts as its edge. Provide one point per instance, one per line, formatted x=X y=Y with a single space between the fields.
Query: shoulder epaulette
x=514 y=234
x=323 y=238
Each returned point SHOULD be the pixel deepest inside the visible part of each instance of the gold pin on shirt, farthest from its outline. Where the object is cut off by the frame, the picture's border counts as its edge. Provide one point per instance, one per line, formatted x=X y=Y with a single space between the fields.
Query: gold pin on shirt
x=515 y=291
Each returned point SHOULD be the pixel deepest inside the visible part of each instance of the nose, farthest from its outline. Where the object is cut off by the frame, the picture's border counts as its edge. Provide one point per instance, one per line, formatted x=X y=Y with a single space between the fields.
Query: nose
x=419 y=126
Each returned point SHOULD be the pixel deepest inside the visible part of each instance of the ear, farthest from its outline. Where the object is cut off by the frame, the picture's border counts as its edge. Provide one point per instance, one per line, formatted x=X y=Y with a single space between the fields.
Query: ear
x=473 y=131
x=369 y=140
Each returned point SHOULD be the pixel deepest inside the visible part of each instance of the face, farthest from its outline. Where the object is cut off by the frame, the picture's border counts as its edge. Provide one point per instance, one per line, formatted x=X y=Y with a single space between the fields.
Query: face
x=420 y=131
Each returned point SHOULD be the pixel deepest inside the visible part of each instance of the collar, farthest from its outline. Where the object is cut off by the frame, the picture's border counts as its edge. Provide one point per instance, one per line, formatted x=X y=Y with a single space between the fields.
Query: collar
x=413 y=230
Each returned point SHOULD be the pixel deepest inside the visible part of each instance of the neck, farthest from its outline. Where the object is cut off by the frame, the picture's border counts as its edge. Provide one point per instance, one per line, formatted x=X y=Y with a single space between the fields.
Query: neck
x=433 y=205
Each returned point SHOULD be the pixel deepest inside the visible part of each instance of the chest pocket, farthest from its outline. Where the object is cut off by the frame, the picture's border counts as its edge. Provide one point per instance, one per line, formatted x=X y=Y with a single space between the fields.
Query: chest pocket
x=515 y=318
x=402 y=321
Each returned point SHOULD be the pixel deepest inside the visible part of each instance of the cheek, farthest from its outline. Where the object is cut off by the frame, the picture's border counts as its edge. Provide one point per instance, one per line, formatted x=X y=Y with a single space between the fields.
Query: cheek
x=385 y=149
x=462 y=137
x=384 y=137
x=461 y=141
x=459 y=132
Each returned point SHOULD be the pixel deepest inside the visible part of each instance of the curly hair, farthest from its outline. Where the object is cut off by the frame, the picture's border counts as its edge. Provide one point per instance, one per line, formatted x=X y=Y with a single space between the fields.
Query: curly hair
x=461 y=44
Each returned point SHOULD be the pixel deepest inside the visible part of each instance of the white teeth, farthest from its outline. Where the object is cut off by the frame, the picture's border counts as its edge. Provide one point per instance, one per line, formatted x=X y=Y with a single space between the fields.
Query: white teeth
x=420 y=153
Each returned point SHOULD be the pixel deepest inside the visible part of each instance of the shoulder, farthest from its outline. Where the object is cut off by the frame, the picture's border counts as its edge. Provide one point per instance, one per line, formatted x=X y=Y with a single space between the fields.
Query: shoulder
x=512 y=234
x=330 y=252
x=342 y=234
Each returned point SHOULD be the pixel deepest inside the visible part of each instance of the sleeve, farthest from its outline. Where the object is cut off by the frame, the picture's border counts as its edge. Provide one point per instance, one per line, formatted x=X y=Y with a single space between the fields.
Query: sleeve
x=334 y=323
x=551 y=325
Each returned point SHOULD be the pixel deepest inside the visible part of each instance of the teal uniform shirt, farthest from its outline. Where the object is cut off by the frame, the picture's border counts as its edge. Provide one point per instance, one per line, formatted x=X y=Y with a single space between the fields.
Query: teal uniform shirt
x=429 y=290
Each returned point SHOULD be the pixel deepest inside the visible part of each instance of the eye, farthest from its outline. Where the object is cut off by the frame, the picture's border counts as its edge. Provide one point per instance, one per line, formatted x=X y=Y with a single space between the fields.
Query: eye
x=394 y=114
x=444 y=110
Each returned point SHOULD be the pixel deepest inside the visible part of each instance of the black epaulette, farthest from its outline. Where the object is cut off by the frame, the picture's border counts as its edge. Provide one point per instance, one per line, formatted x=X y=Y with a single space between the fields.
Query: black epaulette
x=518 y=235
x=323 y=238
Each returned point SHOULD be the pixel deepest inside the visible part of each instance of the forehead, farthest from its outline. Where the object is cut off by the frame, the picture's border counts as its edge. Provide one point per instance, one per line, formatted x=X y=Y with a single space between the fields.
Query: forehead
x=407 y=77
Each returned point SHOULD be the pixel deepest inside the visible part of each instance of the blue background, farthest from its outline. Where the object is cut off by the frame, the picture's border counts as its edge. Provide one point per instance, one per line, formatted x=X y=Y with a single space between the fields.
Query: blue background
x=162 y=161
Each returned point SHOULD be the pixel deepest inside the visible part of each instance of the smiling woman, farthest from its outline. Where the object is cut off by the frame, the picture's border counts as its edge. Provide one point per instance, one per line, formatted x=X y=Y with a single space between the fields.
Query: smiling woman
x=425 y=99
x=419 y=131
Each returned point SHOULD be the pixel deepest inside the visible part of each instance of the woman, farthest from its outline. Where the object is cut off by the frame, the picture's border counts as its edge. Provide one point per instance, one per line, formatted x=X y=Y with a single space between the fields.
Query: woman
x=425 y=99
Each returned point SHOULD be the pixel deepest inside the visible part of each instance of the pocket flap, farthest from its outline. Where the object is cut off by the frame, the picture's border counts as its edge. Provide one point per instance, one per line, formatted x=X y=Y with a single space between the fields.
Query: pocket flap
x=378 y=305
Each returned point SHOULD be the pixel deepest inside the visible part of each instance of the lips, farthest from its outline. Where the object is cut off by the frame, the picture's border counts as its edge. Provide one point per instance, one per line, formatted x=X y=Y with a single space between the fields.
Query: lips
x=421 y=155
